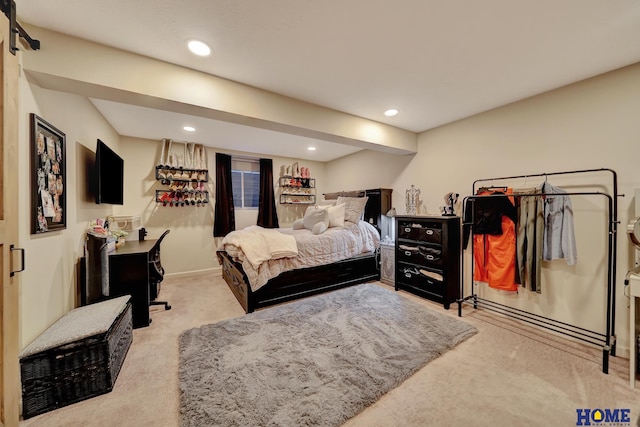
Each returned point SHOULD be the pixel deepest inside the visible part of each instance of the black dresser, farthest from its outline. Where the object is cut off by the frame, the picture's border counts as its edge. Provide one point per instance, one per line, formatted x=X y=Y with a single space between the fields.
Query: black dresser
x=428 y=257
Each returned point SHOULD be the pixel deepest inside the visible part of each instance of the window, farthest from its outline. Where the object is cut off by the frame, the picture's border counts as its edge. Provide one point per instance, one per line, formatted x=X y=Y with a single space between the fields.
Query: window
x=245 y=178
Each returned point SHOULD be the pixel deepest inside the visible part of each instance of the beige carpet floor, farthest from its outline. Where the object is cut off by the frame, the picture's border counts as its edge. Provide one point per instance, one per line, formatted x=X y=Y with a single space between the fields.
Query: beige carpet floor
x=506 y=375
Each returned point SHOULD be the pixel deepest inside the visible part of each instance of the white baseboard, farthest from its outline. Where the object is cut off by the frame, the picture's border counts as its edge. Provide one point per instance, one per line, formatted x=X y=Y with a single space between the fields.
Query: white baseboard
x=217 y=271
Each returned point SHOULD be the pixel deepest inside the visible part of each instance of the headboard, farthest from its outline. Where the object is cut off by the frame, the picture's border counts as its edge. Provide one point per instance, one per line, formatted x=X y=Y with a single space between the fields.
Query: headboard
x=333 y=196
x=378 y=204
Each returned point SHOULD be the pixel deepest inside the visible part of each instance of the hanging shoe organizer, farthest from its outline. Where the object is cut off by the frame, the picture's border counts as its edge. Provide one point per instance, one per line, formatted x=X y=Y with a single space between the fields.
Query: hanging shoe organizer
x=183 y=168
x=296 y=185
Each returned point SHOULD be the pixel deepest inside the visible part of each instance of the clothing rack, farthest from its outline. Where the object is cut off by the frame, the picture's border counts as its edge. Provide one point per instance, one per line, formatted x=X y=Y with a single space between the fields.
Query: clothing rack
x=608 y=339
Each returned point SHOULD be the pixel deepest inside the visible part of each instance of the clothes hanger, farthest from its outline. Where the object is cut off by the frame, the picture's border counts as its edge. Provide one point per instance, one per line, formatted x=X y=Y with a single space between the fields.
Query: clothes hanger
x=493 y=189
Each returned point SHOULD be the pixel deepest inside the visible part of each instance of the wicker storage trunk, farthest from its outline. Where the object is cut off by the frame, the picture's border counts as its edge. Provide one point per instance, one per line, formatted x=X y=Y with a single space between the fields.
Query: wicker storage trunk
x=71 y=361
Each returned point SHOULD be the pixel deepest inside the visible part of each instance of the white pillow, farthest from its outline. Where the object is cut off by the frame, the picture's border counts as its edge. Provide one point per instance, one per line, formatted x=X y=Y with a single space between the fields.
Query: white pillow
x=354 y=207
x=316 y=220
x=325 y=202
x=336 y=214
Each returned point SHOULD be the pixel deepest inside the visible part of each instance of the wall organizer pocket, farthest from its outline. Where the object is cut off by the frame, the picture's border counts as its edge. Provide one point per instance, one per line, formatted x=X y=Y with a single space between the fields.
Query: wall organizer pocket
x=297 y=186
x=48 y=198
x=183 y=168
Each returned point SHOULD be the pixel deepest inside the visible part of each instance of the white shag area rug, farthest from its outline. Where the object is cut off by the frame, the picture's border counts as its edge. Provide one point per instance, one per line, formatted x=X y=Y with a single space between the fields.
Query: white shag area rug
x=314 y=362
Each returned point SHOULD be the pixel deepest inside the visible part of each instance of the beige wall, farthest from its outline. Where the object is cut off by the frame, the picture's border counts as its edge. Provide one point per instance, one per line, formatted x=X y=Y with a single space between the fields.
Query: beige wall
x=190 y=245
x=592 y=124
x=48 y=287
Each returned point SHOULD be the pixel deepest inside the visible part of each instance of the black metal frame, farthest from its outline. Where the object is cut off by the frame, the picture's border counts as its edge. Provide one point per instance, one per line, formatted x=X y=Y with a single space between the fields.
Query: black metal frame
x=607 y=339
x=9 y=9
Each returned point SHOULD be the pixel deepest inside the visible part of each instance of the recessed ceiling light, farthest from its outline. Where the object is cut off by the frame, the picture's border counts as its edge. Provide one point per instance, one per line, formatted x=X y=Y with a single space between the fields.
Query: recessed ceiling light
x=199 y=48
x=391 y=112
x=311 y=148
x=189 y=128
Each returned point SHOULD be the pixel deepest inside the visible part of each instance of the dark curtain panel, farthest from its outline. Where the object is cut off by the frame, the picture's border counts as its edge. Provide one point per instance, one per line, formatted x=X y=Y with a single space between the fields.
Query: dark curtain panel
x=224 y=216
x=267 y=215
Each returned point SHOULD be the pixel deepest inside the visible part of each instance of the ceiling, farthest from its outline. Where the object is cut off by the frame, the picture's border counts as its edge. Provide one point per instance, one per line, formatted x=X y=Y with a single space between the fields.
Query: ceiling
x=436 y=61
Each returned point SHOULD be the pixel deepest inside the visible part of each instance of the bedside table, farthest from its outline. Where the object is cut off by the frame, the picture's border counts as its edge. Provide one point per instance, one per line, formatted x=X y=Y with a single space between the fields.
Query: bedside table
x=387 y=263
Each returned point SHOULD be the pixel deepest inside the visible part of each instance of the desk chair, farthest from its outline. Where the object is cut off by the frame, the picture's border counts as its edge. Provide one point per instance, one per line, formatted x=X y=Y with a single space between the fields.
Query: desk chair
x=156 y=273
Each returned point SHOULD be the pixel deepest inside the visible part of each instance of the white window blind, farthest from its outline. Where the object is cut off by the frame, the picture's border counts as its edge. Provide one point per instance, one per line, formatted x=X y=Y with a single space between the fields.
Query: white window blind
x=245 y=176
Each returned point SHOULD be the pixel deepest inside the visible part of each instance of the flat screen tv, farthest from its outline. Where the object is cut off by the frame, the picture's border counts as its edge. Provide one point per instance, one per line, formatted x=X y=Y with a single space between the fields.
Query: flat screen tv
x=109 y=177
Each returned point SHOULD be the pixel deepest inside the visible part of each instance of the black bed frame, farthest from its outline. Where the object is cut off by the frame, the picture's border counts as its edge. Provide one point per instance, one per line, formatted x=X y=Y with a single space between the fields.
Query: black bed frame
x=297 y=283
x=309 y=281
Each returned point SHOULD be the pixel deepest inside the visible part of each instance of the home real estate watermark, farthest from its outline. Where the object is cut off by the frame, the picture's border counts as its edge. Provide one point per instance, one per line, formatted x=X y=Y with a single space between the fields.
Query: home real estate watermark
x=616 y=417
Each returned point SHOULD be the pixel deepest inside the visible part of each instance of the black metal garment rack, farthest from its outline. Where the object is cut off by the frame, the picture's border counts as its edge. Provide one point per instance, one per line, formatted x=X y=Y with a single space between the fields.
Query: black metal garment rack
x=607 y=340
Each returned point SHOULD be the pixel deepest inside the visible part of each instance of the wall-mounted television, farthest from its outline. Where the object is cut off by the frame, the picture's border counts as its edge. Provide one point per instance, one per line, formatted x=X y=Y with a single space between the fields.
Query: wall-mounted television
x=109 y=176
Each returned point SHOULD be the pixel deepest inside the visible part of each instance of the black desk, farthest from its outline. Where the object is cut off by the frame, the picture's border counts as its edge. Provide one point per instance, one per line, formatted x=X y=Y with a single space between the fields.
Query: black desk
x=129 y=275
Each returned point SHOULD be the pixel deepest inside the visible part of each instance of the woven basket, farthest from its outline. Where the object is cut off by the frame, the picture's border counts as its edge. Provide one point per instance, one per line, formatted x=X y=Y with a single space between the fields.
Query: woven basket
x=75 y=371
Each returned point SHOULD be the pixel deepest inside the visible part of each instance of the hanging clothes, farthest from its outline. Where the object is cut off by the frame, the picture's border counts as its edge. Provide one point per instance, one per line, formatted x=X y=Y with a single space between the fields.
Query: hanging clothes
x=484 y=214
x=529 y=237
x=493 y=220
x=559 y=234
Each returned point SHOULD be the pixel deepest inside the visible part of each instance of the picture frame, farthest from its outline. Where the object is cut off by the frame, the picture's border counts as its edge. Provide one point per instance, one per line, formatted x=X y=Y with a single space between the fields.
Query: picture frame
x=48 y=177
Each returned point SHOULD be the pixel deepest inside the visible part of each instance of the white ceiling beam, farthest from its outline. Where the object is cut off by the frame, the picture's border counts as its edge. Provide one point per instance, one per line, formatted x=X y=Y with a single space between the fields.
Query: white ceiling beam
x=78 y=66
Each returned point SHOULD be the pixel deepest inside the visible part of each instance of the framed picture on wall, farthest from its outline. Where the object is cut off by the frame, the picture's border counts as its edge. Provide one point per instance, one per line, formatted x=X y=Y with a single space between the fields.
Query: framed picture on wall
x=48 y=177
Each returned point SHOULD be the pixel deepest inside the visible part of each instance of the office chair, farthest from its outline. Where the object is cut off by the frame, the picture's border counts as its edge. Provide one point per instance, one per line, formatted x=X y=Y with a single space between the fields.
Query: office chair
x=156 y=273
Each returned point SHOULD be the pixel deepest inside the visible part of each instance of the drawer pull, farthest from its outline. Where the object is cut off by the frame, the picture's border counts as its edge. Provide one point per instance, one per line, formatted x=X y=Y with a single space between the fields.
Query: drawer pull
x=430 y=257
x=407 y=229
x=407 y=253
x=429 y=232
x=408 y=273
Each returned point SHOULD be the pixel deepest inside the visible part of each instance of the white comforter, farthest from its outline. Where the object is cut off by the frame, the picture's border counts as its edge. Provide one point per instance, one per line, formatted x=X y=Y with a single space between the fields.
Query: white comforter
x=262 y=244
x=333 y=245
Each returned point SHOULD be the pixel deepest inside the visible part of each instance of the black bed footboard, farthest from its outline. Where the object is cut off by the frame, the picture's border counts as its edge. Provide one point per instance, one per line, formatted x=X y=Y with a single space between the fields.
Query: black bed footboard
x=298 y=283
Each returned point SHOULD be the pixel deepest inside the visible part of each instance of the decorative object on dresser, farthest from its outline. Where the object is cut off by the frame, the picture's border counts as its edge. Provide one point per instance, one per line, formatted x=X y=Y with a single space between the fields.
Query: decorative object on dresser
x=317 y=361
x=451 y=202
x=428 y=257
x=413 y=200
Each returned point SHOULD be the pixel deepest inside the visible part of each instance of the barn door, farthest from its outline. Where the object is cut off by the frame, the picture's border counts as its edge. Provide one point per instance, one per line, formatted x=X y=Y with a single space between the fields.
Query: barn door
x=10 y=257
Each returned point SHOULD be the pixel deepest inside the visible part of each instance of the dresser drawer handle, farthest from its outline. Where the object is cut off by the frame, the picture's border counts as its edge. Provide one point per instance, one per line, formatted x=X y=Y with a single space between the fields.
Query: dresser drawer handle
x=430 y=257
x=429 y=232
x=407 y=275
x=407 y=253
x=407 y=229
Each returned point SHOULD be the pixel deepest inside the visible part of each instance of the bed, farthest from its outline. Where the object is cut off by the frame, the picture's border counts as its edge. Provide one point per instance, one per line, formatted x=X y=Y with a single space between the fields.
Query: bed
x=336 y=258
